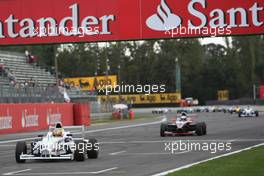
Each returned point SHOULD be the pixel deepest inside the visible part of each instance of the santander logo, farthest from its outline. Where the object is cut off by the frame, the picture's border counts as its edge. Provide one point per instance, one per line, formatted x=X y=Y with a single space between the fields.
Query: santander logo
x=52 y=27
x=164 y=19
x=29 y=120
x=197 y=10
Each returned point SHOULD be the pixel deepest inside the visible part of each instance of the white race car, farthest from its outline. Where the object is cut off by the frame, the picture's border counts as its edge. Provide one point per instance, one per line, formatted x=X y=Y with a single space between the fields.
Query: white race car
x=58 y=144
x=248 y=112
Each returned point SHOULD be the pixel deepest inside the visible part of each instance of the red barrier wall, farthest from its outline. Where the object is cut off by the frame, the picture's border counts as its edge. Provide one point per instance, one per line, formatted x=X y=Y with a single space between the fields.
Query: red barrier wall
x=261 y=92
x=16 y=118
x=81 y=114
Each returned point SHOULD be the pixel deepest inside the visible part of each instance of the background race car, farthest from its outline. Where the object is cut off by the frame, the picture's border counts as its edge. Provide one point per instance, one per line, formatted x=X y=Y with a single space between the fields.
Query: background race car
x=160 y=111
x=248 y=112
x=183 y=125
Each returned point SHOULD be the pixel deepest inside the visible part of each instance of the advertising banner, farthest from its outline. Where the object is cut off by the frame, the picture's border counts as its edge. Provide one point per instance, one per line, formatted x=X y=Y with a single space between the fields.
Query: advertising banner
x=164 y=98
x=66 y=21
x=223 y=95
x=16 y=118
x=92 y=83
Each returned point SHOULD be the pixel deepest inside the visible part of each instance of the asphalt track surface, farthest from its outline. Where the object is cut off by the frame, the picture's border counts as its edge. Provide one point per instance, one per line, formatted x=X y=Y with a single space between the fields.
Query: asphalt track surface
x=136 y=149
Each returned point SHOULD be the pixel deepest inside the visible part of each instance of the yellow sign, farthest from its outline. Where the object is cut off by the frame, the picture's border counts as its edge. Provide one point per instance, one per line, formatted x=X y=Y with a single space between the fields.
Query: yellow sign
x=163 y=98
x=92 y=83
x=223 y=95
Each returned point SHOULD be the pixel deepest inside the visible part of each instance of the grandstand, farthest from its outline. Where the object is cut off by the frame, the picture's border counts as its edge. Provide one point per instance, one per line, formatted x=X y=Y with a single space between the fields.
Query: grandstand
x=45 y=88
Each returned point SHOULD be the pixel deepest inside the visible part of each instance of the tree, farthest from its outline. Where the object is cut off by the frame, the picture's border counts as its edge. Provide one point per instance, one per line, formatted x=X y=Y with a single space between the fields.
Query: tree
x=205 y=69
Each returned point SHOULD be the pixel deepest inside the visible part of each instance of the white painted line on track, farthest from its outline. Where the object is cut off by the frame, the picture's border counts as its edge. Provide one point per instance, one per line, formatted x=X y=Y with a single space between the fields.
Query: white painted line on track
x=121 y=142
x=17 y=140
x=16 y=172
x=143 y=154
x=206 y=160
x=184 y=140
x=60 y=173
x=90 y=131
x=124 y=127
x=106 y=170
x=116 y=153
x=6 y=152
x=6 y=145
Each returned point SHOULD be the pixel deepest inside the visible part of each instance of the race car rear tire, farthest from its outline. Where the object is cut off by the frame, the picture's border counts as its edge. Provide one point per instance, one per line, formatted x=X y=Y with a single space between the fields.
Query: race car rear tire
x=94 y=151
x=79 y=153
x=199 y=129
x=163 y=128
x=257 y=113
x=21 y=148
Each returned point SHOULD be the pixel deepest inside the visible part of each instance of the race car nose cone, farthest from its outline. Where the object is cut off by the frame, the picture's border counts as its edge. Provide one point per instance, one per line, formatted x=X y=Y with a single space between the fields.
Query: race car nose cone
x=45 y=152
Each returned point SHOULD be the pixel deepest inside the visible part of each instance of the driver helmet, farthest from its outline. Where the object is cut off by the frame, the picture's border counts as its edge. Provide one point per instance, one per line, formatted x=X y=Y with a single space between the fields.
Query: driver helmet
x=58 y=131
x=184 y=114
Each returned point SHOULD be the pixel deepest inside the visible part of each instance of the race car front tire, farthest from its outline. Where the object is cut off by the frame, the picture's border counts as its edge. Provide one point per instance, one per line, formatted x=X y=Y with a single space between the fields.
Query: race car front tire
x=94 y=151
x=21 y=148
x=79 y=153
x=163 y=128
x=200 y=129
x=204 y=128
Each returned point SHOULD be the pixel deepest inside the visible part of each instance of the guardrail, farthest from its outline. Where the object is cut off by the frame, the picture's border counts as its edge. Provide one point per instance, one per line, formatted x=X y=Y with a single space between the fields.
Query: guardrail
x=236 y=102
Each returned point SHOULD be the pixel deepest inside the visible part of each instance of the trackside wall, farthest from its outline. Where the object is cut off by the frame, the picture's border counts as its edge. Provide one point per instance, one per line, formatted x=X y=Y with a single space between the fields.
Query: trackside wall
x=16 y=118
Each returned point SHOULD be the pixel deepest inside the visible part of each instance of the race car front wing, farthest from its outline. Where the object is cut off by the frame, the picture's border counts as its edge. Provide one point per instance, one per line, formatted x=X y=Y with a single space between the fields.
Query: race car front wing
x=47 y=157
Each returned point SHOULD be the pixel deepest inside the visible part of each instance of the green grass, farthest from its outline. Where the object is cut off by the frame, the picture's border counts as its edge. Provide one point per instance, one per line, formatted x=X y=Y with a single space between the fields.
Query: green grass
x=247 y=163
x=110 y=120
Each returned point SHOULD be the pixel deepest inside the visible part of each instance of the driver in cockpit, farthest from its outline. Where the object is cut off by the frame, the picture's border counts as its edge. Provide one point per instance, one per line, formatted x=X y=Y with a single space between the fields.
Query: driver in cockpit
x=183 y=117
x=58 y=131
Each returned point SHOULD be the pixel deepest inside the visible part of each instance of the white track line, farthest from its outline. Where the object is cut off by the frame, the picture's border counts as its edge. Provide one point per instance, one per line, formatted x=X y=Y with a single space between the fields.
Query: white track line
x=6 y=152
x=7 y=145
x=175 y=141
x=124 y=127
x=121 y=142
x=17 y=140
x=60 y=173
x=106 y=170
x=116 y=153
x=142 y=154
x=16 y=172
x=91 y=131
x=206 y=160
